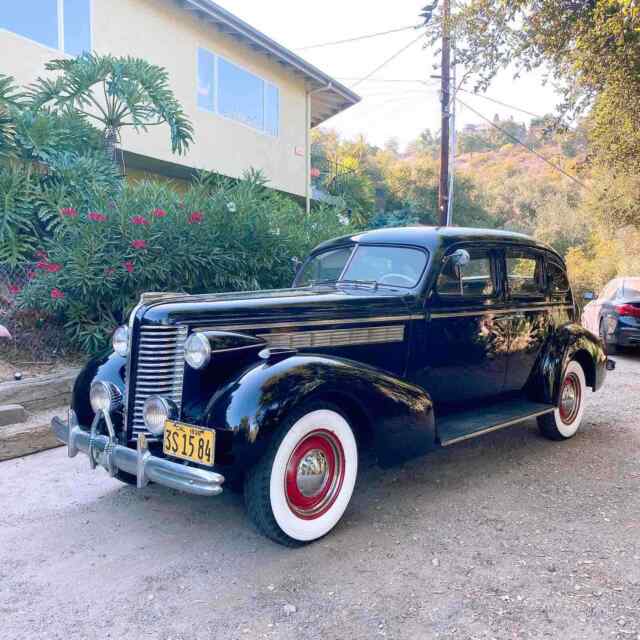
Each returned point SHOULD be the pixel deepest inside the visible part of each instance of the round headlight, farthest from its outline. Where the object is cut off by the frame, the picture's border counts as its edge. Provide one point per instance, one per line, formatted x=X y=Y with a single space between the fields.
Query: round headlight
x=155 y=412
x=104 y=396
x=120 y=340
x=197 y=351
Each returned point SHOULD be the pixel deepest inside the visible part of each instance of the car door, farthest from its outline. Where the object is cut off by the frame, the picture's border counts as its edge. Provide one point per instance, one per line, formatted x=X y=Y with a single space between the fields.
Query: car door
x=463 y=357
x=528 y=312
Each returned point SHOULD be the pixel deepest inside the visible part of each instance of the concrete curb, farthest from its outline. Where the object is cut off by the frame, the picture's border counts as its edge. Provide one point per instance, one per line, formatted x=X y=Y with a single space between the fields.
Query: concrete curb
x=39 y=394
x=19 y=440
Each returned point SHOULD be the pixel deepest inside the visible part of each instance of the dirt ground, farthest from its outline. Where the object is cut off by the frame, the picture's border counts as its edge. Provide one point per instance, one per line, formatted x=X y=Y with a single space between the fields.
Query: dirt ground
x=509 y=536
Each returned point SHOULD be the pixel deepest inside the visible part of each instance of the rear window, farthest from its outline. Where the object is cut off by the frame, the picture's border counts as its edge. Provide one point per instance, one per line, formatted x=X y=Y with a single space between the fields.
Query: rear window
x=632 y=288
x=523 y=272
x=557 y=278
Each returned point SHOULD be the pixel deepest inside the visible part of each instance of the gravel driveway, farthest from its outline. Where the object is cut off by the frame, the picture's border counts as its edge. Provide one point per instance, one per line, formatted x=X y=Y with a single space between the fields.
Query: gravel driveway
x=505 y=536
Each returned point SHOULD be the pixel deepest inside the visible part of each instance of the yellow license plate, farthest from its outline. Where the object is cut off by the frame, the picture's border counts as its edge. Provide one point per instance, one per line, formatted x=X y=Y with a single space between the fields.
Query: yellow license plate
x=189 y=443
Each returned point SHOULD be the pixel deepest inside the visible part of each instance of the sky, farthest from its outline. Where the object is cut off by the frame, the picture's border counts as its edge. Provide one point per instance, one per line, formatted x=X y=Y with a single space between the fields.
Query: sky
x=398 y=110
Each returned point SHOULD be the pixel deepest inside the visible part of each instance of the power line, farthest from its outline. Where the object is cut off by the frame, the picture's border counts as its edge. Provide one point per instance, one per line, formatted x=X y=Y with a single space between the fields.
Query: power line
x=358 y=38
x=413 y=80
x=504 y=104
x=388 y=60
x=522 y=144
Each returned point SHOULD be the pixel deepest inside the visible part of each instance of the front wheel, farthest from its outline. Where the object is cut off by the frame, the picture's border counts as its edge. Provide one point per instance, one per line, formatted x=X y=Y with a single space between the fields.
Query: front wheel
x=301 y=487
x=565 y=420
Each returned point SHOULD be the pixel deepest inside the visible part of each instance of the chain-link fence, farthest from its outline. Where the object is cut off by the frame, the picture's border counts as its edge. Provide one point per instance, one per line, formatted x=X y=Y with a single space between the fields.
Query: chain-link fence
x=35 y=337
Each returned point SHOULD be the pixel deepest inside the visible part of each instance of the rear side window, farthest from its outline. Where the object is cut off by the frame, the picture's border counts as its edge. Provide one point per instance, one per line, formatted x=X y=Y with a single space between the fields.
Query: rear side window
x=556 y=278
x=472 y=280
x=524 y=272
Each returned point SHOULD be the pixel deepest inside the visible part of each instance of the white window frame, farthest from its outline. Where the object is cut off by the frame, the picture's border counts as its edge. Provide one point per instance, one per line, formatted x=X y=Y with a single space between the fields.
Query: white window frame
x=216 y=83
x=60 y=48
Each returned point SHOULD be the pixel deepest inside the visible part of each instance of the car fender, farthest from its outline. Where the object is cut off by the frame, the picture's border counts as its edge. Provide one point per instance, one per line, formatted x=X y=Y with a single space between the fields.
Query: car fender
x=566 y=343
x=398 y=415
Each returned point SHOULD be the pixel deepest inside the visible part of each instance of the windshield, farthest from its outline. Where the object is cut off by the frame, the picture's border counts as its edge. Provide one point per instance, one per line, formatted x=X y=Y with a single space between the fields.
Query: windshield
x=382 y=265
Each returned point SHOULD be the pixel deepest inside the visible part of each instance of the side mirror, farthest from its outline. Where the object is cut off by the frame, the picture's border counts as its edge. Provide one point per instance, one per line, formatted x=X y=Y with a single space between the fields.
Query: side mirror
x=460 y=258
x=589 y=295
x=296 y=263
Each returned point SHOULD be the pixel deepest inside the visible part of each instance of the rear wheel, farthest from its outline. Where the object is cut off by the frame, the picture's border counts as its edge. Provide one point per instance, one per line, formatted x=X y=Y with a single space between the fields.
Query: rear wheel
x=610 y=348
x=301 y=487
x=565 y=420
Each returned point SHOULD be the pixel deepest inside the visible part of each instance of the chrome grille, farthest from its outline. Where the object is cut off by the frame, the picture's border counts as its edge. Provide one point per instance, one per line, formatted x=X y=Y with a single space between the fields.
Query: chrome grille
x=159 y=370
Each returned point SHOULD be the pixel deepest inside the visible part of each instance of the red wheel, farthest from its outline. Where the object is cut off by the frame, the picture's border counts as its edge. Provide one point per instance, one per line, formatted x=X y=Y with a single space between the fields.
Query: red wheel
x=570 y=398
x=314 y=476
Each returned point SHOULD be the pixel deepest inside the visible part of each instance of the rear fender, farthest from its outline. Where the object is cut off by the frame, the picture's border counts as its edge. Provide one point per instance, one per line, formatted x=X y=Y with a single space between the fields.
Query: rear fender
x=569 y=342
x=397 y=414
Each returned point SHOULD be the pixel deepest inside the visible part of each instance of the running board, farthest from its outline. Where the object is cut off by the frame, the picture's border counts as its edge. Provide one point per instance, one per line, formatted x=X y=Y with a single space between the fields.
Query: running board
x=463 y=425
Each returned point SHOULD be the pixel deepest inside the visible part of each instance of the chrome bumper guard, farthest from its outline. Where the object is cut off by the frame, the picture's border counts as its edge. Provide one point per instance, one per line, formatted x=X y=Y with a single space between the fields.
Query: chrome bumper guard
x=138 y=462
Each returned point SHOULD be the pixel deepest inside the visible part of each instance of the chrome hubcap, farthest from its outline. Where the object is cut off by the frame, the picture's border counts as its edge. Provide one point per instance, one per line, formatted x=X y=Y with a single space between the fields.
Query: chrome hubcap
x=312 y=473
x=570 y=399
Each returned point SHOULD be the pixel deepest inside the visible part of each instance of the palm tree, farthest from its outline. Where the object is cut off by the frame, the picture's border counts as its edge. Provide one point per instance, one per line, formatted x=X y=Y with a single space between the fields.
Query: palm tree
x=117 y=93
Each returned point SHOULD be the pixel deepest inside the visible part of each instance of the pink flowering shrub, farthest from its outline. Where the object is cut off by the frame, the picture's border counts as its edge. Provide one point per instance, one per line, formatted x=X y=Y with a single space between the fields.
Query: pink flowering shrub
x=150 y=237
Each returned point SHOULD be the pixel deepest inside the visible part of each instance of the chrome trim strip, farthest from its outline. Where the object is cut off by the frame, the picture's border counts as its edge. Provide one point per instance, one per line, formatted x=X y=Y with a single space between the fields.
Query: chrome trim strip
x=496 y=427
x=311 y=323
x=335 y=337
x=488 y=310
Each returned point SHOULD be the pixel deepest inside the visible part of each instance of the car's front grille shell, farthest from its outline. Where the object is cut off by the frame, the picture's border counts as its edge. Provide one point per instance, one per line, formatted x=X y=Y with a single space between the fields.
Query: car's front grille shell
x=158 y=371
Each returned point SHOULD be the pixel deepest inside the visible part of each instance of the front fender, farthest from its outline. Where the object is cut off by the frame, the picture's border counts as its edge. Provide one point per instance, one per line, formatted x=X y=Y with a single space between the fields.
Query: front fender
x=398 y=414
x=569 y=342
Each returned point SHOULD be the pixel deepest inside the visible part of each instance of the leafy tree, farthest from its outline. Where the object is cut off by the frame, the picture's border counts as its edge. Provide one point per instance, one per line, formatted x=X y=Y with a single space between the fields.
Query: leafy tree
x=116 y=93
x=9 y=101
x=591 y=48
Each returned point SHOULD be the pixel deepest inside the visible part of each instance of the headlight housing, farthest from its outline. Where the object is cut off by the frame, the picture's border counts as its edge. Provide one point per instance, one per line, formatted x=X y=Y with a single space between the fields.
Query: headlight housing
x=120 y=341
x=156 y=411
x=104 y=396
x=197 y=351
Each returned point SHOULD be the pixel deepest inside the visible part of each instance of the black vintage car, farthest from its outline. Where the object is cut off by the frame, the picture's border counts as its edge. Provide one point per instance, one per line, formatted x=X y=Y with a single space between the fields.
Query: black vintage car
x=403 y=340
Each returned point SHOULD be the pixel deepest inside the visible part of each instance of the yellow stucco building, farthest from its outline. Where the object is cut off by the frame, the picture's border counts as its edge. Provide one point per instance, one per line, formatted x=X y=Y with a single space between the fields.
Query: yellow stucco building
x=252 y=102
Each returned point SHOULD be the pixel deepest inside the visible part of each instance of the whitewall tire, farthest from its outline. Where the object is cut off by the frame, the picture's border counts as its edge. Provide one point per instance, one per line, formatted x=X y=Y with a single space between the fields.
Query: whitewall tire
x=565 y=420
x=302 y=486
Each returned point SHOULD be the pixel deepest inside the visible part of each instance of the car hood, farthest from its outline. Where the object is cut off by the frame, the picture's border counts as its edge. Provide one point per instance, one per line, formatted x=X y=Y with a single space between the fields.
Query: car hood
x=241 y=310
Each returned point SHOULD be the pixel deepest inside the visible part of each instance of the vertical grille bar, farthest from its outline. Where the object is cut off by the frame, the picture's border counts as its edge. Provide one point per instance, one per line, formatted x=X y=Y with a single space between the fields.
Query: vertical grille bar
x=159 y=371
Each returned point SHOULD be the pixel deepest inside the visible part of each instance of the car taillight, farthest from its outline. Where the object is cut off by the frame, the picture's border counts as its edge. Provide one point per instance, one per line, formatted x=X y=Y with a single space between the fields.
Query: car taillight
x=628 y=310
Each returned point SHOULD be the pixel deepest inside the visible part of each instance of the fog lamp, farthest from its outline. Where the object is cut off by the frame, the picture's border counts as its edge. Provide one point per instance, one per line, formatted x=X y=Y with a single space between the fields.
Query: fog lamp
x=156 y=412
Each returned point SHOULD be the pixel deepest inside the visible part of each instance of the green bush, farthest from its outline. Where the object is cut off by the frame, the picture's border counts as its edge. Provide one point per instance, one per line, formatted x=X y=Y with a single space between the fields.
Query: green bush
x=219 y=235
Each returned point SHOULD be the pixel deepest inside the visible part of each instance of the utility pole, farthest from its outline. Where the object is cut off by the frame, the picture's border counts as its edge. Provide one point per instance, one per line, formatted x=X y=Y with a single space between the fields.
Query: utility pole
x=443 y=191
x=454 y=143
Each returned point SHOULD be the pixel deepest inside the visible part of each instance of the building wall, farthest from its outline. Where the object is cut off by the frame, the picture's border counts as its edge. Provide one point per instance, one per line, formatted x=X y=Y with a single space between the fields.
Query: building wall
x=162 y=33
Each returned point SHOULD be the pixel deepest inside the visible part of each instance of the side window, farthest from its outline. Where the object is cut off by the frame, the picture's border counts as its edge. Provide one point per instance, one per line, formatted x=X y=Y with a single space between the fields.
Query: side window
x=557 y=281
x=524 y=272
x=325 y=266
x=471 y=280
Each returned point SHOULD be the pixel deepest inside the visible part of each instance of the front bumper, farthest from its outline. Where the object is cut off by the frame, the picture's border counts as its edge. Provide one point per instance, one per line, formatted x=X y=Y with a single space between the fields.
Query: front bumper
x=136 y=462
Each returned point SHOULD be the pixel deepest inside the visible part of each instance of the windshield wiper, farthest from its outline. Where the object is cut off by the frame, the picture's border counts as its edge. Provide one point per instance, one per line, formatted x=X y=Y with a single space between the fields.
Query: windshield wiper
x=356 y=283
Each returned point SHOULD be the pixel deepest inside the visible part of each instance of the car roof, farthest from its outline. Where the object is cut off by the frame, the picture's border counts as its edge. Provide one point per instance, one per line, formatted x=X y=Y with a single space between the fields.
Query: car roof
x=432 y=238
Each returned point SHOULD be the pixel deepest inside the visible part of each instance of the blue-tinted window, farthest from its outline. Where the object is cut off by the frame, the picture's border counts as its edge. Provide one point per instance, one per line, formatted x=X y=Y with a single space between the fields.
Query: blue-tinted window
x=240 y=95
x=77 y=26
x=34 y=19
x=39 y=20
x=271 y=109
x=206 y=78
